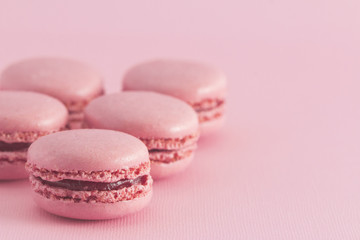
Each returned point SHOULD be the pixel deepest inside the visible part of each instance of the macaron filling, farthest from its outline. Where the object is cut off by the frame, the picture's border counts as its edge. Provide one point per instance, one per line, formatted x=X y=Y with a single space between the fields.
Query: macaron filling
x=76 y=185
x=209 y=109
x=96 y=186
x=93 y=192
x=171 y=150
x=11 y=147
x=13 y=152
x=169 y=156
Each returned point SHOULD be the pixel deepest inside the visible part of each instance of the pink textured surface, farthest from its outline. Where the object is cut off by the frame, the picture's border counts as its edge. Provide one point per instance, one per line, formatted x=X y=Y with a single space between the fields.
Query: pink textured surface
x=286 y=165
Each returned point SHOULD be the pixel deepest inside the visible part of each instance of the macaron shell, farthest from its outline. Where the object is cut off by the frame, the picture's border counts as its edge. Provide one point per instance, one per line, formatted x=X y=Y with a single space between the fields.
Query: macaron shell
x=65 y=79
x=189 y=81
x=92 y=211
x=163 y=170
x=143 y=115
x=22 y=111
x=11 y=171
x=87 y=150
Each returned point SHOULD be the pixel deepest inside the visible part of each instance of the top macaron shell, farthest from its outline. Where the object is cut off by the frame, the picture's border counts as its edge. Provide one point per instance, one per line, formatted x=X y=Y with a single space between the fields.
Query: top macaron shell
x=189 y=81
x=87 y=150
x=22 y=111
x=143 y=115
x=65 y=79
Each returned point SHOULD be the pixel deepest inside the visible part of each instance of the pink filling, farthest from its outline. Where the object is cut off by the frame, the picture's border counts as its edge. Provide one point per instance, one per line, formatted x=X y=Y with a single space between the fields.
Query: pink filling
x=94 y=176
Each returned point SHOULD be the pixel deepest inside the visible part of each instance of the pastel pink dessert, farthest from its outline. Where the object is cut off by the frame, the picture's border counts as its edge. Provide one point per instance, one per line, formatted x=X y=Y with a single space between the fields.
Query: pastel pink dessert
x=24 y=117
x=200 y=85
x=90 y=174
x=168 y=126
x=72 y=82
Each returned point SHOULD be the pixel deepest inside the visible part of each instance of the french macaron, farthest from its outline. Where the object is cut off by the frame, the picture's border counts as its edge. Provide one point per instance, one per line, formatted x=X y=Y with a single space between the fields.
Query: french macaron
x=24 y=117
x=72 y=82
x=200 y=85
x=90 y=174
x=168 y=126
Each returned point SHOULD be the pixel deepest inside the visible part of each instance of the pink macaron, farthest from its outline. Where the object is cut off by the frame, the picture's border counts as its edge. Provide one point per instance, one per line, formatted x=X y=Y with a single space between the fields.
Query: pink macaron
x=200 y=85
x=24 y=117
x=72 y=82
x=167 y=126
x=90 y=174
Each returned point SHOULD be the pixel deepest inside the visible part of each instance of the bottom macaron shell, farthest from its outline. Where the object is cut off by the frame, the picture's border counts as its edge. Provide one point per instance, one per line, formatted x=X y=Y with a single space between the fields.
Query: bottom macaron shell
x=92 y=211
x=11 y=171
x=211 y=126
x=162 y=170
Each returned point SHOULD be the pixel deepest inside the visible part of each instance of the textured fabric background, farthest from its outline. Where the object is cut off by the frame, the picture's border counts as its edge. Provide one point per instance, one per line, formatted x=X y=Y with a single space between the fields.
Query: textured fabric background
x=286 y=166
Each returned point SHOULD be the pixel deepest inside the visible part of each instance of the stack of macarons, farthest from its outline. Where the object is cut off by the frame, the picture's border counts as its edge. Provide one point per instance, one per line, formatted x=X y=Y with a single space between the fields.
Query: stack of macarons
x=94 y=156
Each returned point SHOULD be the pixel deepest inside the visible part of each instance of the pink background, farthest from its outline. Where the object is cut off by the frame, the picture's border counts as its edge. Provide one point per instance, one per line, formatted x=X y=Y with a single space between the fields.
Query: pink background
x=286 y=166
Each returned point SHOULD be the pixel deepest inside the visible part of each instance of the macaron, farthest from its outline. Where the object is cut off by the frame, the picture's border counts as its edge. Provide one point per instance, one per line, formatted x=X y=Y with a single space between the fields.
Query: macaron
x=24 y=117
x=72 y=82
x=90 y=174
x=168 y=126
x=200 y=85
